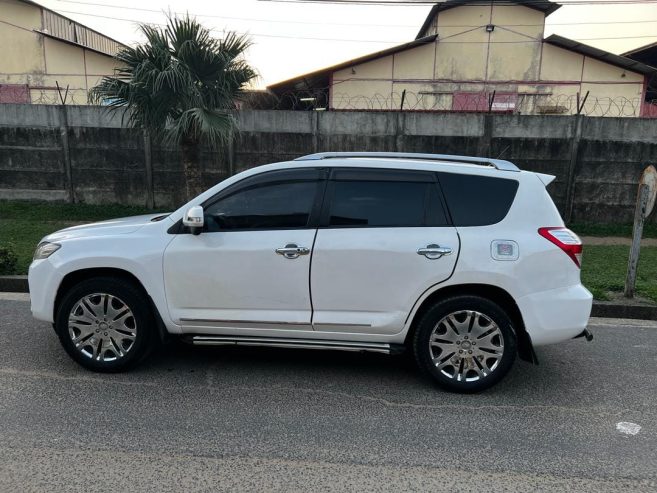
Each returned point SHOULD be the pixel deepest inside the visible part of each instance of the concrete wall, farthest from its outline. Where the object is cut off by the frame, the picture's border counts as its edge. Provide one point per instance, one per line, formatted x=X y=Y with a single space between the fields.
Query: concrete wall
x=109 y=163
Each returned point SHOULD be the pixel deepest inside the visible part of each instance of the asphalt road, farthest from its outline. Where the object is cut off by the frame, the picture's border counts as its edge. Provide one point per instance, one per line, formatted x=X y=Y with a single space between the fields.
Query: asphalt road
x=199 y=419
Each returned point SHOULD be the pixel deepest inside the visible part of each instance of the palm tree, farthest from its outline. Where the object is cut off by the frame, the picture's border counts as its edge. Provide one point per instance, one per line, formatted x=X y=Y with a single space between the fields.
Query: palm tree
x=181 y=85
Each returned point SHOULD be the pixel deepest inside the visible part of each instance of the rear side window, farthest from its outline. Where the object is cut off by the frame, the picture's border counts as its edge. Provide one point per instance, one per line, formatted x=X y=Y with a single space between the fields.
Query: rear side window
x=477 y=200
x=372 y=203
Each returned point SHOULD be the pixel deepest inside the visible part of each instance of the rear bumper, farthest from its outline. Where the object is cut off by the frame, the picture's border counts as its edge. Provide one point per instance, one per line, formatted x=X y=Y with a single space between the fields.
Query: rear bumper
x=556 y=315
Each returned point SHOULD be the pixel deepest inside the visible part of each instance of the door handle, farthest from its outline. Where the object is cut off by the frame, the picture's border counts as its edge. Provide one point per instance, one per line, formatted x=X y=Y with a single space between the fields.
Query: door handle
x=292 y=251
x=434 y=251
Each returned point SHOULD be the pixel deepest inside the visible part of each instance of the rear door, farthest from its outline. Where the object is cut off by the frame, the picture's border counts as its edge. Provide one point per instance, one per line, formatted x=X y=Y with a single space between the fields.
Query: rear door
x=384 y=239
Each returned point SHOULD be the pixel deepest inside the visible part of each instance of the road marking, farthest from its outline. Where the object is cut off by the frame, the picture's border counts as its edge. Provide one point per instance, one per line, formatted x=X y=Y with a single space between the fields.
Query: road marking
x=628 y=428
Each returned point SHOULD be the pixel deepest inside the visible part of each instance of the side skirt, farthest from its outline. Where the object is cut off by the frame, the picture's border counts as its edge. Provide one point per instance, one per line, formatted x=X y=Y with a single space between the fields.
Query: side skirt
x=212 y=340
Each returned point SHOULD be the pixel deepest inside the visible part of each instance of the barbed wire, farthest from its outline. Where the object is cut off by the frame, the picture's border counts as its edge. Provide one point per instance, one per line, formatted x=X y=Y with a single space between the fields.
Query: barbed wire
x=74 y=97
x=422 y=101
x=471 y=102
x=44 y=96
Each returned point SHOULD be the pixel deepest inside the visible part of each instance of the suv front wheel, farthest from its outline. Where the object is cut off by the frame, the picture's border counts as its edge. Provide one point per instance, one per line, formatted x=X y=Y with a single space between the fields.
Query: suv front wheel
x=465 y=343
x=105 y=324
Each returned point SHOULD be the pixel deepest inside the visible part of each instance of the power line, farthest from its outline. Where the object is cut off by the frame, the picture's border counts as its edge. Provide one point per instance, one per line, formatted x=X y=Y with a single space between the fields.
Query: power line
x=247 y=33
x=250 y=19
x=578 y=23
x=366 y=40
x=422 y=3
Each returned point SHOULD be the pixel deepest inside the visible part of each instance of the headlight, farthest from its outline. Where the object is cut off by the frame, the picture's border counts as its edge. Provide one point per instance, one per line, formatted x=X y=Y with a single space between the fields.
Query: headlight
x=45 y=250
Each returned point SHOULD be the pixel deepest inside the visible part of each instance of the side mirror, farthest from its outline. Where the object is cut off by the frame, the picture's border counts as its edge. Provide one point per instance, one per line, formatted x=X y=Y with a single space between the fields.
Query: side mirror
x=193 y=219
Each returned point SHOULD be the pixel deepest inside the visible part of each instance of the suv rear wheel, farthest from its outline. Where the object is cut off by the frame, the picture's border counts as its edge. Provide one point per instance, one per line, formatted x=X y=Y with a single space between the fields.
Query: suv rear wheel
x=105 y=324
x=465 y=343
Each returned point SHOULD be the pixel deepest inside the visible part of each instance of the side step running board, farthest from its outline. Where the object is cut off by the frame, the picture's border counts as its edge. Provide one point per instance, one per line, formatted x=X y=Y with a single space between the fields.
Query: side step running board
x=376 y=347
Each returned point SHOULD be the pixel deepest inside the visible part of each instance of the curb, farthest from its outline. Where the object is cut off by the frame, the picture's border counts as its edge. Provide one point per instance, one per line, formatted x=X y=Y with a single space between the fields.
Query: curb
x=13 y=284
x=18 y=284
x=613 y=310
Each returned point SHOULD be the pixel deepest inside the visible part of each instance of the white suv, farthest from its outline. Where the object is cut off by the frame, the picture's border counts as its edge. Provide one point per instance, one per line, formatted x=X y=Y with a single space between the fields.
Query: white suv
x=464 y=261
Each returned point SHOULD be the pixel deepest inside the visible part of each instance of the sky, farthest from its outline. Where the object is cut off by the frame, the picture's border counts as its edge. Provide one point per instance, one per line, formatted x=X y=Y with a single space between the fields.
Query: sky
x=291 y=39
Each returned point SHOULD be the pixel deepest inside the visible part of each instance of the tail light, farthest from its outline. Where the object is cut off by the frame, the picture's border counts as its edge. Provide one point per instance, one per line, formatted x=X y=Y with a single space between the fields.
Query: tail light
x=565 y=239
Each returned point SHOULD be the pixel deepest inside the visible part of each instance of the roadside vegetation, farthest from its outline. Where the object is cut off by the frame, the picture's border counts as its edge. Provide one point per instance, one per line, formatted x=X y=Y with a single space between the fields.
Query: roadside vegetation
x=23 y=224
x=604 y=268
x=182 y=85
x=613 y=229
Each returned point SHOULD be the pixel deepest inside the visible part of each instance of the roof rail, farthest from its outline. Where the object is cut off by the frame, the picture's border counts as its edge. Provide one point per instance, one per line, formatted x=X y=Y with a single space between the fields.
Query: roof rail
x=495 y=163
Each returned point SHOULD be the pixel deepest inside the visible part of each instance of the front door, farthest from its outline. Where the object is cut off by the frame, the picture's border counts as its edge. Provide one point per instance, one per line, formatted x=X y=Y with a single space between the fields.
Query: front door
x=384 y=239
x=250 y=266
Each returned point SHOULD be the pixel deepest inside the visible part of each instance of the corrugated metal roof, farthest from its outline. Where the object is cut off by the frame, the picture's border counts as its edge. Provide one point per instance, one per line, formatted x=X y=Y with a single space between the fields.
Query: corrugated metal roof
x=542 y=5
x=645 y=54
x=598 y=54
x=62 y=28
x=640 y=49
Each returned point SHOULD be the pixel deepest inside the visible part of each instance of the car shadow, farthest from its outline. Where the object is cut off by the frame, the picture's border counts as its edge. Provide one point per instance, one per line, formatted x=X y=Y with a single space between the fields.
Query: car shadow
x=563 y=371
x=377 y=374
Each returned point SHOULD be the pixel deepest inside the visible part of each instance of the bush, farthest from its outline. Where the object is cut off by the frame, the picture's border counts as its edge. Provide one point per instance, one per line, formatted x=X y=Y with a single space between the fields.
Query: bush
x=8 y=260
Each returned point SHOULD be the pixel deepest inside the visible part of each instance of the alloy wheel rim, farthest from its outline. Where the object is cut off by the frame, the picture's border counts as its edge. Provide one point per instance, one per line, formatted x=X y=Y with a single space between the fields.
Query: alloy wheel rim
x=102 y=327
x=466 y=346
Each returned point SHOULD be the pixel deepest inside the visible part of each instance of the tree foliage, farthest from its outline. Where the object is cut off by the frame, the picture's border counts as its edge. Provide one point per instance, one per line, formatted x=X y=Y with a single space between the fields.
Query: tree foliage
x=182 y=85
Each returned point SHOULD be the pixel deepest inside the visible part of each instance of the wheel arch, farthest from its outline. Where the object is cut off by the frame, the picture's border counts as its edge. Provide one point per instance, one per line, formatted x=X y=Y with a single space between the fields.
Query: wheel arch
x=77 y=276
x=488 y=291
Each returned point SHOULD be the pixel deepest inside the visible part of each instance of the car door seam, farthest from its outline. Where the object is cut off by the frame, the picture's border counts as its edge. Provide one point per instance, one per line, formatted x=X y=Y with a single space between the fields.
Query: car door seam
x=310 y=273
x=430 y=288
x=164 y=283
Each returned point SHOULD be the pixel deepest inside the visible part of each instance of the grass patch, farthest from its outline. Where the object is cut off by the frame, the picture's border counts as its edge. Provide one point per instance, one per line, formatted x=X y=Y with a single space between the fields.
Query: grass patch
x=49 y=211
x=24 y=223
x=604 y=269
x=613 y=229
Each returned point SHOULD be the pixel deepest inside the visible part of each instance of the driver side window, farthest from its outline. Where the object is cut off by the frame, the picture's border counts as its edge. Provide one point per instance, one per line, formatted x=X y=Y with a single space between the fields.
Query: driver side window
x=282 y=201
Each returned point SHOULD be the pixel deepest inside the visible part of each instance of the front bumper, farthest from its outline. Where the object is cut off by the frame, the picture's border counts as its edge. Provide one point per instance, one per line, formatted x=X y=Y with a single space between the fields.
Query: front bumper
x=44 y=281
x=556 y=315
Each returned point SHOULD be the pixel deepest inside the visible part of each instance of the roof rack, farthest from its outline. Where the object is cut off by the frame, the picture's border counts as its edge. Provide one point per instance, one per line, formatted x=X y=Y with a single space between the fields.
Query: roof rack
x=495 y=163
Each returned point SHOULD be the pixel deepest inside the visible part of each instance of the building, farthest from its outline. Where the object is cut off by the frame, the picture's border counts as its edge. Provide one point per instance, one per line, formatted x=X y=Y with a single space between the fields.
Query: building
x=648 y=55
x=47 y=56
x=645 y=54
x=480 y=56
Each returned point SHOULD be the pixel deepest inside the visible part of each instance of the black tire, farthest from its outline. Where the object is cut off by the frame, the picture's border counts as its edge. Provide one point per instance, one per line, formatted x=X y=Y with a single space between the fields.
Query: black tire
x=467 y=373
x=142 y=319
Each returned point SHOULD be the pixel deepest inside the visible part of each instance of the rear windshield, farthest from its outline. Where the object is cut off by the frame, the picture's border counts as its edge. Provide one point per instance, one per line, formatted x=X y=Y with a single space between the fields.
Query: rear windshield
x=477 y=200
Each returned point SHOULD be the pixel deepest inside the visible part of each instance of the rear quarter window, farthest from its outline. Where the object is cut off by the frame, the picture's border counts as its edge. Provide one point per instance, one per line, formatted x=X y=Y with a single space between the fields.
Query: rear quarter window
x=475 y=200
